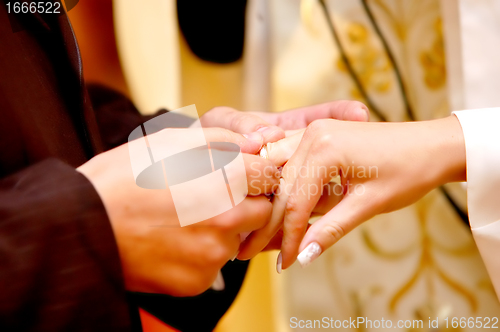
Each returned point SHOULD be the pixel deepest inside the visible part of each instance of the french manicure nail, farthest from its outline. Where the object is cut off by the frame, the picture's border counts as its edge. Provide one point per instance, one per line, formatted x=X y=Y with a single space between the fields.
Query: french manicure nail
x=309 y=254
x=236 y=255
x=279 y=263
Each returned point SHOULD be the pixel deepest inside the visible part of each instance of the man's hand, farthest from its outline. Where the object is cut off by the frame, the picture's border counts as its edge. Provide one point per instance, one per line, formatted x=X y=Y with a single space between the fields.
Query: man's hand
x=157 y=254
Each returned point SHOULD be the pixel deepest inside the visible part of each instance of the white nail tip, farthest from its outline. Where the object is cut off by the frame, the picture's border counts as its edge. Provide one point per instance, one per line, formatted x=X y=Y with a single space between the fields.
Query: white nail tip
x=309 y=254
x=279 y=263
x=219 y=284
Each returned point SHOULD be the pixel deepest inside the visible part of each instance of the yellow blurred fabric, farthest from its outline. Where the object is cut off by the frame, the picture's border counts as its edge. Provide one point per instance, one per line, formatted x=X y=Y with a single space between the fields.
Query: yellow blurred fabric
x=253 y=309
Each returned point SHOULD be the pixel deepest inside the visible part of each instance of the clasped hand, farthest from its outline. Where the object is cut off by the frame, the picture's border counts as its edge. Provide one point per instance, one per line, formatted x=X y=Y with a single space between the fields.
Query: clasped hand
x=159 y=256
x=380 y=167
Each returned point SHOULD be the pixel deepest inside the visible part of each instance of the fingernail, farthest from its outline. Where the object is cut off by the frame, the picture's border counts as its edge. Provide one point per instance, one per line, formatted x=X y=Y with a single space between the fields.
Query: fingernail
x=219 y=284
x=279 y=263
x=266 y=131
x=232 y=259
x=309 y=254
x=360 y=114
x=255 y=136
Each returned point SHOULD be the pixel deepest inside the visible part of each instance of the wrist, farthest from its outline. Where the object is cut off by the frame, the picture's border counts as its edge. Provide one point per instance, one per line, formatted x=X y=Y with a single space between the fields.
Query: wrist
x=449 y=154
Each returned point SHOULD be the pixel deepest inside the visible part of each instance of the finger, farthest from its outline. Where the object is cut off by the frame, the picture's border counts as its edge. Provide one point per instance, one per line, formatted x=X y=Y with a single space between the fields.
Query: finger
x=262 y=175
x=276 y=241
x=343 y=218
x=281 y=151
x=251 y=214
x=340 y=110
x=257 y=241
x=331 y=196
x=260 y=238
x=289 y=133
x=251 y=143
x=242 y=122
x=302 y=199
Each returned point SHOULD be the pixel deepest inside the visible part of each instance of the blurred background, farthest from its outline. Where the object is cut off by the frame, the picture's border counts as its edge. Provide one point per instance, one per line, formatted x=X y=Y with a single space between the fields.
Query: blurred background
x=406 y=59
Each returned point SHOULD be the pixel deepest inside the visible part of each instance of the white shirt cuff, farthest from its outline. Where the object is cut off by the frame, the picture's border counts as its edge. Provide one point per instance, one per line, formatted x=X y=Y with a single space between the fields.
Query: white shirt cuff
x=481 y=130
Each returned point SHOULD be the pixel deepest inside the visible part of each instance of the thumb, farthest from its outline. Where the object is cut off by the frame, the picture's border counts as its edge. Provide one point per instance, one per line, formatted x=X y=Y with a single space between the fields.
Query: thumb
x=343 y=218
x=250 y=143
x=241 y=122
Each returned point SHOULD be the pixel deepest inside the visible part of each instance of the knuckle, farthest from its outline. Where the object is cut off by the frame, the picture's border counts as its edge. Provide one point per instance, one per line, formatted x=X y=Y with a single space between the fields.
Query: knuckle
x=214 y=111
x=219 y=254
x=202 y=282
x=319 y=131
x=226 y=135
x=212 y=117
x=215 y=249
x=322 y=143
x=316 y=126
x=239 y=120
x=296 y=230
x=292 y=204
x=334 y=231
x=222 y=110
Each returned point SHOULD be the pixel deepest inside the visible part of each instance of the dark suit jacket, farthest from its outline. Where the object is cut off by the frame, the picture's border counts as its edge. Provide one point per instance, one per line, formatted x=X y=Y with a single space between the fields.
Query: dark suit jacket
x=59 y=265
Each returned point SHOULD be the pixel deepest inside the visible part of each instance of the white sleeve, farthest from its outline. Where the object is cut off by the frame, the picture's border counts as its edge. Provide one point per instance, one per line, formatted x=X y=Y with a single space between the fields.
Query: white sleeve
x=481 y=130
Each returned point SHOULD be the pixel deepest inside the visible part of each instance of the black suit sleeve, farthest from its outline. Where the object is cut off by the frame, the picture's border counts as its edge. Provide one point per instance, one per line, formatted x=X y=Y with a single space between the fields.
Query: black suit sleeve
x=117 y=116
x=59 y=264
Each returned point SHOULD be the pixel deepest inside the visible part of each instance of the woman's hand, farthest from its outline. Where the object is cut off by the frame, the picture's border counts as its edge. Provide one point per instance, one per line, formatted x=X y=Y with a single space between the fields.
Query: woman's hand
x=157 y=254
x=383 y=167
